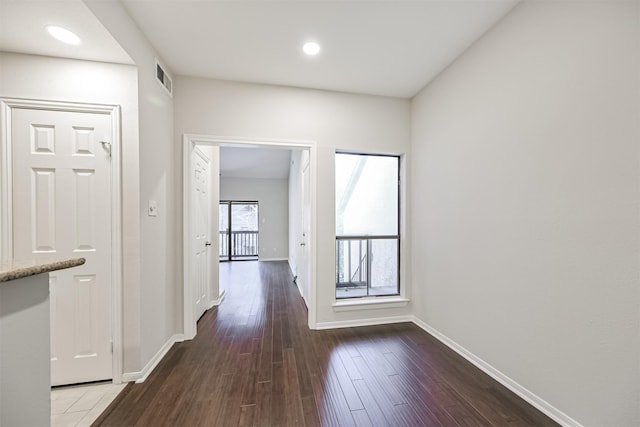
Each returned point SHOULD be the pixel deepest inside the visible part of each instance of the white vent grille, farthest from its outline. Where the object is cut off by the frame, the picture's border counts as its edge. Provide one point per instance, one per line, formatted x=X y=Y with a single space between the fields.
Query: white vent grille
x=164 y=79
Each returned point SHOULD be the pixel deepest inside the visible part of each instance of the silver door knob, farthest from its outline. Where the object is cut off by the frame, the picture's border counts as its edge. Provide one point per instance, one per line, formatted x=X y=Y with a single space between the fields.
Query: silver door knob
x=303 y=244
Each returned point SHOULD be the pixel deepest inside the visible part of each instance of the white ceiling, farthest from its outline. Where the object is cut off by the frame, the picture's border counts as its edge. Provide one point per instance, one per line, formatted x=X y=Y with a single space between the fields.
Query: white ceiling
x=250 y=162
x=375 y=47
x=22 y=30
x=383 y=47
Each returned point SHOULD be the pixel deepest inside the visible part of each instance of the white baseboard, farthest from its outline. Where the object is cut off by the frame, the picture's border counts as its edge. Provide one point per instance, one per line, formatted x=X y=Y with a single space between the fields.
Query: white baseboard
x=533 y=399
x=273 y=259
x=363 y=322
x=142 y=375
x=217 y=301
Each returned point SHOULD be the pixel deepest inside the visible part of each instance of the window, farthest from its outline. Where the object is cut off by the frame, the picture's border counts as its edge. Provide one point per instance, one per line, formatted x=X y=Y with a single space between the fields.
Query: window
x=367 y=225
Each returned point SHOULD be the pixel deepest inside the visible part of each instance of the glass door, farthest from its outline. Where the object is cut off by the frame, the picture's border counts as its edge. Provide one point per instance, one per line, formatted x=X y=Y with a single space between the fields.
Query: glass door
x=238 y=230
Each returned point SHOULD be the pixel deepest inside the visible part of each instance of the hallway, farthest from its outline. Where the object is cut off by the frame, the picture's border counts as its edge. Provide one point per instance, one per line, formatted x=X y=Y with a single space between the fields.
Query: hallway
x=255 y=362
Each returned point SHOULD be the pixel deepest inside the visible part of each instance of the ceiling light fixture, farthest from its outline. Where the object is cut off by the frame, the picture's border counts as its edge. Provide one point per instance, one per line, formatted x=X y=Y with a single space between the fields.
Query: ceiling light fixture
x=311 y=48
x=62 y=34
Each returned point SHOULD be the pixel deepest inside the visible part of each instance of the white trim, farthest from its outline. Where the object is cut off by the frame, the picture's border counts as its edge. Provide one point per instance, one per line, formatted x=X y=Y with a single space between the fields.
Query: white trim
x=364 y=322
x=117 y=279
x=301 y=293
x=528 y=396
x=6 y=187
x=356 y=304
x=215 y=302
x=272 y=259
x=128 y=377
x=142 y=375
x=223 y=141
x=6 y=184
x=190 y=140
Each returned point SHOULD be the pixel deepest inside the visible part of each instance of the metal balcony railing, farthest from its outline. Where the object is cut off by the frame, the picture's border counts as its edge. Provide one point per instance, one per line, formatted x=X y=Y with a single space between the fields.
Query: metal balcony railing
x=243 y=244
x=367 y=266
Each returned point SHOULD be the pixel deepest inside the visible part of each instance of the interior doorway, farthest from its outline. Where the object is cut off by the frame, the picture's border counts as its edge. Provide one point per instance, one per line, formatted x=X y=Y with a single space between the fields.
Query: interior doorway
x=304 y=268
x=238 y=231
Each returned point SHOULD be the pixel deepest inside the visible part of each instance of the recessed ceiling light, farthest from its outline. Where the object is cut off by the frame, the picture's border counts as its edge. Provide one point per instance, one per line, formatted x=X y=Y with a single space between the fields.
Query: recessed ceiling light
x=311 y=48
x=62 y=34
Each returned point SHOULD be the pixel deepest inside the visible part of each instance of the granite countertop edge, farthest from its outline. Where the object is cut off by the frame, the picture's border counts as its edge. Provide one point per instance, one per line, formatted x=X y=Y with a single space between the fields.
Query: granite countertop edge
x=18 y=269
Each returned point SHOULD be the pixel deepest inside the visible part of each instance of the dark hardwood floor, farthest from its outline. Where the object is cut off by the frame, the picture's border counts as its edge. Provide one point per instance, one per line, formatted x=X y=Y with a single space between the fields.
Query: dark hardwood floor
x=255 y=362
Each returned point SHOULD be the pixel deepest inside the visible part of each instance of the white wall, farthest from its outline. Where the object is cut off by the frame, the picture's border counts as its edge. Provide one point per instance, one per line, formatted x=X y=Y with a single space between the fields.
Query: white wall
x=333 y=120
x=526 y=205
x=39 y=77
x=272 y=196
x=160 y=298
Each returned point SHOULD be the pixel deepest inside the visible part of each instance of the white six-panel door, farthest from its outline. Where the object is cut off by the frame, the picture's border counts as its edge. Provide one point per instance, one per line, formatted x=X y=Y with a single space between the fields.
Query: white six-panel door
x=304 y=257
x=200 y=235
x=62 y=207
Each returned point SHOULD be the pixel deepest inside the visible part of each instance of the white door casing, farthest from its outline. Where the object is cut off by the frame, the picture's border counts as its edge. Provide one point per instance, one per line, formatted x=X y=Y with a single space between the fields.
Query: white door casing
x=61 y=206
x=200 y=233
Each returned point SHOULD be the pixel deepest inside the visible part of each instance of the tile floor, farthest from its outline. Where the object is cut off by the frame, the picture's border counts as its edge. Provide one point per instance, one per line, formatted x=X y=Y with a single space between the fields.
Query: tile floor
x=81 y=405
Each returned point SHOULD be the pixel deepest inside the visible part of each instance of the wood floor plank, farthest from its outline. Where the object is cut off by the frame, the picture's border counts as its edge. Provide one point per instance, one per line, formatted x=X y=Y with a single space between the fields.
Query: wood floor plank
x=379 y=379
x=384 y=395
x=254 y=362
x=278 y=400
x=249 y=379
x=263 y=407
x=293 y=399
x=332 y=410
x=418 y=393
x=246 y=415
x=310 y=412
x=266 y=356
x=361 y=418
x=371 y=407
x=421 y=403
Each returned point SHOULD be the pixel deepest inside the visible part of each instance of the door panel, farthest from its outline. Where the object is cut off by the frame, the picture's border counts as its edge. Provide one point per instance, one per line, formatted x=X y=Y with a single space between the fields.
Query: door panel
x=43 y=218
x=303 y=267
x=62 y=207
x=200 y=237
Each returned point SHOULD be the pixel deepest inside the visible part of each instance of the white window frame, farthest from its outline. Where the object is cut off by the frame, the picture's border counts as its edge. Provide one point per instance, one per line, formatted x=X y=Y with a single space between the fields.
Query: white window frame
x=403 y=298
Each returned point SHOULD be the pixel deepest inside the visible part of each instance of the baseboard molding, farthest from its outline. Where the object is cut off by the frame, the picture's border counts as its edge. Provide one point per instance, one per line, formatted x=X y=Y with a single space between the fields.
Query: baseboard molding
x=142 y=375
x=363 y=322
x=215 y=302
x=273 y=259
x=533 y=399
x=297 y=285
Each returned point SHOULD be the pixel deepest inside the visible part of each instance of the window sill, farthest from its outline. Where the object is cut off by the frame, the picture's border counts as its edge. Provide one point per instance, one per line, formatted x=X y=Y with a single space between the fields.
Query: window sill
x=370 y=303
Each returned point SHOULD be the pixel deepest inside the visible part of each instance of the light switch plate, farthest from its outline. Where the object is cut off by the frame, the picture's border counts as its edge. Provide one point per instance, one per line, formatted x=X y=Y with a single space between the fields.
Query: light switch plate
x=153 y=208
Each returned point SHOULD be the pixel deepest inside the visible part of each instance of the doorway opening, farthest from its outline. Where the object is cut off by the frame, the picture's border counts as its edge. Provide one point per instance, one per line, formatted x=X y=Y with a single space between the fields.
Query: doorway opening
x=238 y=231
x=225 y=187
